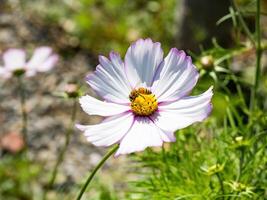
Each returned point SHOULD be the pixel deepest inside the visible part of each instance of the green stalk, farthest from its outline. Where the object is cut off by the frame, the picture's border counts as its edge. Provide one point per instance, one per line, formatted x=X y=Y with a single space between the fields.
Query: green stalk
x=65 y=147
x=89 y=179
x=243 y=23
x=165 y=169
x=24 y=114
x=221 y=184
x=258 y=58
x=241 y=161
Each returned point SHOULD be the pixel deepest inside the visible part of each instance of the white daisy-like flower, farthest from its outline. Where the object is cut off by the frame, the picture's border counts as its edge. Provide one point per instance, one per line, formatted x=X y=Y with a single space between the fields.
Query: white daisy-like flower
x=145 y=98
x=14 y=62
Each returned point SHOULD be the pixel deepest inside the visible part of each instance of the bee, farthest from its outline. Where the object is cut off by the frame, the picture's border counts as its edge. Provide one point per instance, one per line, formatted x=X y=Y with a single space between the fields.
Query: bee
x=135 y=93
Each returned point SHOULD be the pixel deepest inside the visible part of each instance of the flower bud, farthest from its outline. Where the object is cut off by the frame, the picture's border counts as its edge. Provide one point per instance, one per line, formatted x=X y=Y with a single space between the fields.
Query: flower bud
x=207 y=62
x=72 y=90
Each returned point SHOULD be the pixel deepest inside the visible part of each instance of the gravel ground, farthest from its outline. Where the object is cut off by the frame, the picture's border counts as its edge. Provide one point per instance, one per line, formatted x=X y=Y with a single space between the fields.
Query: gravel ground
x=49 y=115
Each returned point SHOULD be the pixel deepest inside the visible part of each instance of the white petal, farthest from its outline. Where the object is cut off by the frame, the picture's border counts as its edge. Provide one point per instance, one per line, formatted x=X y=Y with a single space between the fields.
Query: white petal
x=141 y=61
x=144 y=133
x=30 y=73
x=39 y=56
x=175 y=78
x=14 y=59
x=93 y=106
x=167 y=136
x=110 y=131
x=109 y=79
x=4 y=73
x=48 y=64
x=184 y=112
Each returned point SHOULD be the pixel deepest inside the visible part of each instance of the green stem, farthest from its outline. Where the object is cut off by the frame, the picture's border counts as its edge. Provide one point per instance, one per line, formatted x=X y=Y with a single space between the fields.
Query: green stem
x=241 y=161
x=258 y=58
x=89 y=179
x=239 y=90
x=24 y=115
x=65 y=147
x=240 y=168
x=243 y=23
x=221 y=184
x=165 y=168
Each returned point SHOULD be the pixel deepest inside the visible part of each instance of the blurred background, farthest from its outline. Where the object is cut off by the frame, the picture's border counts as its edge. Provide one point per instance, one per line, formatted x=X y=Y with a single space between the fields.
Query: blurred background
x=80 y=30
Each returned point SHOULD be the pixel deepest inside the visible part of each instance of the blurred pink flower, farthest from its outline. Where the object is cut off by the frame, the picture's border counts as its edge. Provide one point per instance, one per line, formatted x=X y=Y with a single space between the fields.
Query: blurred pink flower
x=145 y=98
x=12 y=142
x=14 y=62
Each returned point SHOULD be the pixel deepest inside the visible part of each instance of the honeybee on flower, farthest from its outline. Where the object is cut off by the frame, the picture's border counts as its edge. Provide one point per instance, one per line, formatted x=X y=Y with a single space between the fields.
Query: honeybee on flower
x=145 y=98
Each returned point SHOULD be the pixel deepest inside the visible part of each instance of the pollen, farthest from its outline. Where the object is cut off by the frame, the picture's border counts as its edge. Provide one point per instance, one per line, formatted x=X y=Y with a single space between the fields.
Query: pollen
x=143 y=102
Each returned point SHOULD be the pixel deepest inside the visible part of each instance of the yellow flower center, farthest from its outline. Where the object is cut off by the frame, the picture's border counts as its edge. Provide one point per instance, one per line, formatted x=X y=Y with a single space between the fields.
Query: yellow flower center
x=143 y=102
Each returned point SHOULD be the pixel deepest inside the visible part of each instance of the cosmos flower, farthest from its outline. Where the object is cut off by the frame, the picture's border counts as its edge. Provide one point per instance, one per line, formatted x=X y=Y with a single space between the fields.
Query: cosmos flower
x=145 y=98
x=14 y=62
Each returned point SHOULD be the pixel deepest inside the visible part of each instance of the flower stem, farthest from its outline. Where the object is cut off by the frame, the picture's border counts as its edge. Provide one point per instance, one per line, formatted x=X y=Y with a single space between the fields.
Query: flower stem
x=24 y=115
x=89 y=179
x=241 y=162
x=221 y=184
x=242 y=22
x=64 y=149
x=258 y=58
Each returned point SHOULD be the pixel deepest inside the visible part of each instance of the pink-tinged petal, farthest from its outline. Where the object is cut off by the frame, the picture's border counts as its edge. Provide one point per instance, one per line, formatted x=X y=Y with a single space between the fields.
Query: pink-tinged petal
x=48 y=64
x=184 y=112
x=141 y=62
x=2 y=70
x=30 y=73
x=175 y=77
x=167 y=136
x=109 y=79
x=93 y=106
x=4 y=73
x=39 y=57
x=143 y=133
x=14 y=59
x=110 y=131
